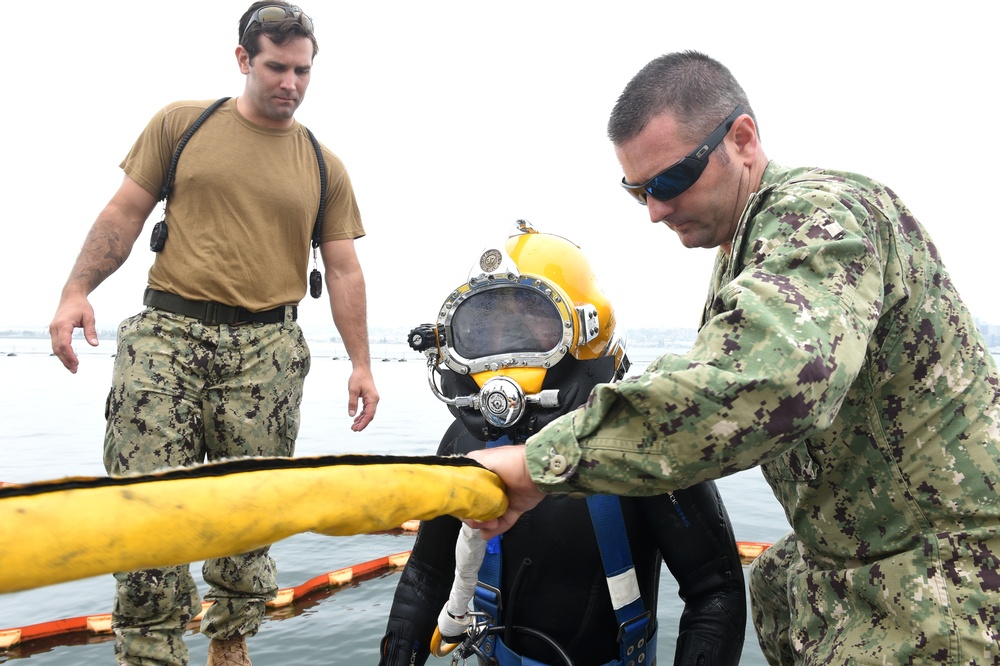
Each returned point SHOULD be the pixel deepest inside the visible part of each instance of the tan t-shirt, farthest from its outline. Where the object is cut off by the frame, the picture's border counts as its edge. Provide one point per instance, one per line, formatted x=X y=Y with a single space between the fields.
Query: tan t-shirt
x=243 y=205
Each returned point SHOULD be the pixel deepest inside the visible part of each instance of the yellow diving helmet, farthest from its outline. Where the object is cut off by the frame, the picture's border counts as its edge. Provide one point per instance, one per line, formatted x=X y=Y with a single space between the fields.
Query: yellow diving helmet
x=525 y=307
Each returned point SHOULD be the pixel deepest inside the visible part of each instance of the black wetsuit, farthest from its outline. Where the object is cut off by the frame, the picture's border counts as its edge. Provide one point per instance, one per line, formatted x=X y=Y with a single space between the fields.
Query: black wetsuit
x=551 y=557
x=552 y=577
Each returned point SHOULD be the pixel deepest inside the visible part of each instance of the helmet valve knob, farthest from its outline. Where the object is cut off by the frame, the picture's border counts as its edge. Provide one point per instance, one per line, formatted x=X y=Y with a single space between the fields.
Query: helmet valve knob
x=501 y=401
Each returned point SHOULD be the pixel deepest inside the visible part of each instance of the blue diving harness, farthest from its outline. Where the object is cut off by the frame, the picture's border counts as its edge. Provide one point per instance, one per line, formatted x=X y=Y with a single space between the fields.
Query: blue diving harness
x=635 y=647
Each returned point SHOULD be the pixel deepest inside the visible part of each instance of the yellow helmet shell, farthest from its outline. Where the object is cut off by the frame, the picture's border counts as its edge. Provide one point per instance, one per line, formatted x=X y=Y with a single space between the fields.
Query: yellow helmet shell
x=561 y=263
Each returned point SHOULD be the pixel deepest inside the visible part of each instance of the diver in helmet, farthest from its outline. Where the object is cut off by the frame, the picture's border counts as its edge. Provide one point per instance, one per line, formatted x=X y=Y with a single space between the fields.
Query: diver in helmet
x=573 y=582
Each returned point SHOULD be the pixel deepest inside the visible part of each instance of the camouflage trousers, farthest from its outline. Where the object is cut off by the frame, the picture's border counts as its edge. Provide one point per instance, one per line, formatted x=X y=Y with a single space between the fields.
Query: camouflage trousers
x=937 y=604
x=184 y=393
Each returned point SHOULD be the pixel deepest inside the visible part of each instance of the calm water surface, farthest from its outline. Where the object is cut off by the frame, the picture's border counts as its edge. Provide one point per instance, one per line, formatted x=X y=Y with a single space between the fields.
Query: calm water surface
x=53 y=427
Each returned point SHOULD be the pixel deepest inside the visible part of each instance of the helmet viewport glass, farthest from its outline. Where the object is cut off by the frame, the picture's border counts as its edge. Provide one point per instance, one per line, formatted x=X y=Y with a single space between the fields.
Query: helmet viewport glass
x=504 y=321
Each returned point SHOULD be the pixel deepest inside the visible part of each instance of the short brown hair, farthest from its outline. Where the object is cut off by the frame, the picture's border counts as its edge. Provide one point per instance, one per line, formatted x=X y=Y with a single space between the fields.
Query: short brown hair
x=279 y=32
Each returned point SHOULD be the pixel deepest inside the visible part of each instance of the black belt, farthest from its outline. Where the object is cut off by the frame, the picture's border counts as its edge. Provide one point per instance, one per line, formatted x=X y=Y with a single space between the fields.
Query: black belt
x=217 y=313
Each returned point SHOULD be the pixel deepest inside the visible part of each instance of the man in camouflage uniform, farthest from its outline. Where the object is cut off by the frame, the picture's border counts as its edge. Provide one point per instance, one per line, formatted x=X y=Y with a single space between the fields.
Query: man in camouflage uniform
x=214 y=367
x=834 y=352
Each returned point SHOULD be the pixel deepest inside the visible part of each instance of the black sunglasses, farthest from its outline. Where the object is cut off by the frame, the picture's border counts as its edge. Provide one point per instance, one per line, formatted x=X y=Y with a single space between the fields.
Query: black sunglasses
x=678 y=177
x=274 y=13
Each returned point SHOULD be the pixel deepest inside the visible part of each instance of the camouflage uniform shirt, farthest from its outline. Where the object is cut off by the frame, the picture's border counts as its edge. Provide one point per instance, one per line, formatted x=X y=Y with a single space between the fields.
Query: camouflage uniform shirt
x=834 y=352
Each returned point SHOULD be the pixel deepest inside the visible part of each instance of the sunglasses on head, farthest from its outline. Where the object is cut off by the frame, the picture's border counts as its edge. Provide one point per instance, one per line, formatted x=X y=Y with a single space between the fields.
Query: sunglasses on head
x=678 y=177
x=274 y=13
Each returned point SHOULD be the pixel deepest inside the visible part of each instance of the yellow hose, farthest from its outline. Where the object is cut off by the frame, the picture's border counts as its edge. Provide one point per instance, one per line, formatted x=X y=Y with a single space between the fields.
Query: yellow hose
x=64 y=530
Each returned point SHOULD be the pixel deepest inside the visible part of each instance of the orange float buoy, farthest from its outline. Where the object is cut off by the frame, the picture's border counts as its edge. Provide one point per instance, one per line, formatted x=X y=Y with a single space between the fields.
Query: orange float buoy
x=98 y=625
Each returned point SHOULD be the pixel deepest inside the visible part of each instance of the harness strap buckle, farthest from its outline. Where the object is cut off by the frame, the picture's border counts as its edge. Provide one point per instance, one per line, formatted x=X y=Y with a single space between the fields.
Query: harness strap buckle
x=490 y=599
x=637 y=623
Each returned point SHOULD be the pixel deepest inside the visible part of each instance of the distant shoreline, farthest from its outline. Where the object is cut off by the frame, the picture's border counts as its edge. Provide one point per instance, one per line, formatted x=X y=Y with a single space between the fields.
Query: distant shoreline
x=640 y=337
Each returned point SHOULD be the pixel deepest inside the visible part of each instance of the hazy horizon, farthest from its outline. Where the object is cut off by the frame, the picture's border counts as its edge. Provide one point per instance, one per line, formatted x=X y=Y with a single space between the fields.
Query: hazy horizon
x=455 y=119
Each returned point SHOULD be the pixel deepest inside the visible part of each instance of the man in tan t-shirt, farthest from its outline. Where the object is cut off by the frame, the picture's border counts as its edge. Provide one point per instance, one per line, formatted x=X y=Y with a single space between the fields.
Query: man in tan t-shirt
x=213 y=368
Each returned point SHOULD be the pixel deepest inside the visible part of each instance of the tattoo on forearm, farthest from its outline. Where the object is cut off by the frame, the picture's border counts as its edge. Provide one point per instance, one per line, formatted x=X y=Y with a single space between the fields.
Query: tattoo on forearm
x=103 y=253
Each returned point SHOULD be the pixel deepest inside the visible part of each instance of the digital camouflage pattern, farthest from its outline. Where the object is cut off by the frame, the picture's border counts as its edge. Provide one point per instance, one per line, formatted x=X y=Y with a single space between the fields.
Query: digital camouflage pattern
x=184 y=393
x=835 y=352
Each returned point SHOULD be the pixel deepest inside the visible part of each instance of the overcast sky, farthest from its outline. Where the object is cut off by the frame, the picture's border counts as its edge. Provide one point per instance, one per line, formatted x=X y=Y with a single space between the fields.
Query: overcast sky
x=457 y=118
